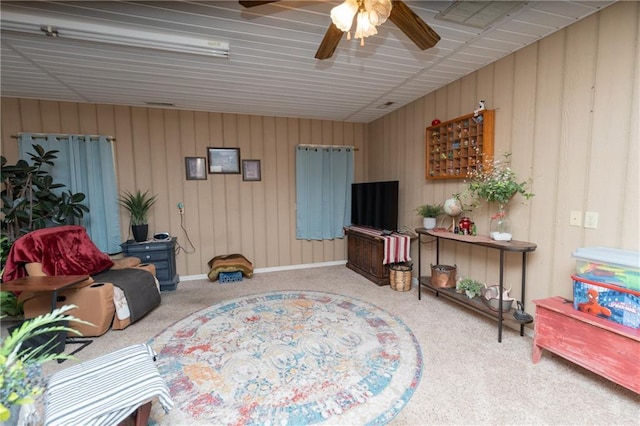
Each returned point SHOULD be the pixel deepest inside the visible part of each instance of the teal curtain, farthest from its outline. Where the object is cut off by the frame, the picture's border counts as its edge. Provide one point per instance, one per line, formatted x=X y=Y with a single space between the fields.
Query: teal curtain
x=85 y=164
x=323 y=191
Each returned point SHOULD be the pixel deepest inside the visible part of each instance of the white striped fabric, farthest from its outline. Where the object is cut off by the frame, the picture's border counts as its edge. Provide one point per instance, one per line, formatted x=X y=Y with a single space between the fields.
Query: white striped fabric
x=105 y=390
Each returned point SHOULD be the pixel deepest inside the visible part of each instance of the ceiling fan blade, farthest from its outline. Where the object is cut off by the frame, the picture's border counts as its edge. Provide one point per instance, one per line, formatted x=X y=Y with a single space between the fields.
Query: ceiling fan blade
x=413 y=26
x=249 y=3
x=329 y=42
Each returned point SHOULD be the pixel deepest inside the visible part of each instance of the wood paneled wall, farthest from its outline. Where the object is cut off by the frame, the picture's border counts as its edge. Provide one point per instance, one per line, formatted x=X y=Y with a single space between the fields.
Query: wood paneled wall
x=223 y=214
x=566 y=107
x=567 y=110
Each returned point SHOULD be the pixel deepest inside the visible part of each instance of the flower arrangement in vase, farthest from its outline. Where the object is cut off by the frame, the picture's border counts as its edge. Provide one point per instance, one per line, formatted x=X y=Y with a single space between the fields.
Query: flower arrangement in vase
x=496 y=182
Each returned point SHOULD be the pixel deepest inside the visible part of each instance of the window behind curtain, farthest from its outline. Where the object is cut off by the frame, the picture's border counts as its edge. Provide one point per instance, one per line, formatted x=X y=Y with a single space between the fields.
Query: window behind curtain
x=323 y=191
x=85 y=164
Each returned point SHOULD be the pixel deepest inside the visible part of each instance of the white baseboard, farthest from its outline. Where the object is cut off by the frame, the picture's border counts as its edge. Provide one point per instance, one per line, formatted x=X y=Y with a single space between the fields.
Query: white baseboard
x=273 y=269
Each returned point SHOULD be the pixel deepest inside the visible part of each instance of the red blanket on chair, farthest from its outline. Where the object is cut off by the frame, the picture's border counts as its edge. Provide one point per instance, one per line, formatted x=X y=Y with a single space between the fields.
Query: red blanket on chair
x=62 y=250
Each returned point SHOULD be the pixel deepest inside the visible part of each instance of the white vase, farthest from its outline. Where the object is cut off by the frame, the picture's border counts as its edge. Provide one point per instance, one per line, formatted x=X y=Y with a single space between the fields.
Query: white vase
x=429 y=222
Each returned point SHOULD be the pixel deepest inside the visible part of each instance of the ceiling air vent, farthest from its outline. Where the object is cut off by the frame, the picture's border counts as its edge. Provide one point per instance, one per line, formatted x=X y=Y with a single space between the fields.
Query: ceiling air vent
x=160 y=104
x=385 y=105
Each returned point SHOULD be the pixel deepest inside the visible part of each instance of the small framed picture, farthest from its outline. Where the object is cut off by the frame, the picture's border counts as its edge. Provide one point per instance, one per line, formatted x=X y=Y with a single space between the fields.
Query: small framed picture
x=196 y=168
x=224 y=160
x=251 y=170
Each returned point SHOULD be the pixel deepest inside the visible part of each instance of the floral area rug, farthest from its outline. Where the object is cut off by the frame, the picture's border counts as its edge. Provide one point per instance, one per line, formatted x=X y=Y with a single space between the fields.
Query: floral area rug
x=292 y=357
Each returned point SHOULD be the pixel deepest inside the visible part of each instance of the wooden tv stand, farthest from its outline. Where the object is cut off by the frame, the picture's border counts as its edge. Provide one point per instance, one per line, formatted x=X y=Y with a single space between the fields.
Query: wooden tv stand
x=365 y=254
x=597 y=344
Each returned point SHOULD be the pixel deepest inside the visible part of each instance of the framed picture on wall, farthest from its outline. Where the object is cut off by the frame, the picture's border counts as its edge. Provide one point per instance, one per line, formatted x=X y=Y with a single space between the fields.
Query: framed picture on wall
x=224 y=160
x=196 y=168
x=251 y=170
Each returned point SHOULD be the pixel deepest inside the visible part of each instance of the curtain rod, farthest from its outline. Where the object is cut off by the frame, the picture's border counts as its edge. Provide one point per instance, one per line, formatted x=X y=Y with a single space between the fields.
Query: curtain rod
x=59 y=135
x=328 y=146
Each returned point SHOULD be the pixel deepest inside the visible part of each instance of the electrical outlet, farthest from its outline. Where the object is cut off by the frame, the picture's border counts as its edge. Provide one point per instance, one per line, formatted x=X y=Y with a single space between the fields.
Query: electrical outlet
x=181 y=208
x=575 y=219
x=591 y=220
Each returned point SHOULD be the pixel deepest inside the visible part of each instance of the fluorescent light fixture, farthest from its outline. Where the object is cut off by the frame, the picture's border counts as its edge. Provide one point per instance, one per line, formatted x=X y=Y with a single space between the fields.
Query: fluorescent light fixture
x=76 y=30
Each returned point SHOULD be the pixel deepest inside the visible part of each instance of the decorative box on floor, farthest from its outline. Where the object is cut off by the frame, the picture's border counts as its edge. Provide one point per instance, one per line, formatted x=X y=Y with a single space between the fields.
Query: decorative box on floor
x=608 y=301
x=230 y=277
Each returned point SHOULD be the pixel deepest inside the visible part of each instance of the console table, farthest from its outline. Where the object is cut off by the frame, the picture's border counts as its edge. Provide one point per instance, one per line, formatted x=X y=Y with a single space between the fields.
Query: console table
x=597 y=344
x=483 y=241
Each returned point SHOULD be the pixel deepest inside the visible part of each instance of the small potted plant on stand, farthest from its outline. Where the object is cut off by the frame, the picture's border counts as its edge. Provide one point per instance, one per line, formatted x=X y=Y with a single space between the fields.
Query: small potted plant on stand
x=138 y=205
x=429 y=213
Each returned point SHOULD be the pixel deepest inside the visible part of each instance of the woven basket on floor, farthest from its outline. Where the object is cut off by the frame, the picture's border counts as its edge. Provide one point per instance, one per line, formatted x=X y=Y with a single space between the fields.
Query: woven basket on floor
x=400 y=277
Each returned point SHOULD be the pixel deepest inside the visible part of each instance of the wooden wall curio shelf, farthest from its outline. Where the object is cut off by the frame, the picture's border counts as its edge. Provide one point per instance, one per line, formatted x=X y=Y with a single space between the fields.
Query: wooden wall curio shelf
x=458 y=146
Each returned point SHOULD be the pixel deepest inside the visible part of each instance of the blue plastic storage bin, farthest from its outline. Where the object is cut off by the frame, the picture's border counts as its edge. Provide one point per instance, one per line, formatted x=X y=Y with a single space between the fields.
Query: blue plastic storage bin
x=230 y=277
x=609 y=265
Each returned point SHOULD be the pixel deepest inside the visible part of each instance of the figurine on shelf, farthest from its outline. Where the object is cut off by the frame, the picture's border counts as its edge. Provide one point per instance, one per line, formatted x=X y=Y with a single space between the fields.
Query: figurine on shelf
x=477 y=117
x=465 y=226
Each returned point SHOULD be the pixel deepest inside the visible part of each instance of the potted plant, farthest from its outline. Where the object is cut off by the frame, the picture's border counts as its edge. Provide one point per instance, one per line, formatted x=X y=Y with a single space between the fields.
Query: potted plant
x=138 y=205
x=470 y=287
x=9 y=305
x=429 y=213
x=32 y=200
x=20 y=360
x=496 y=182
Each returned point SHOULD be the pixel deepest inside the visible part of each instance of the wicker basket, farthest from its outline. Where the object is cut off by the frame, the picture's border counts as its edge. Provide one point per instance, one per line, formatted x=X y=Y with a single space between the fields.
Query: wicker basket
x=443 y=276
x=400 y=277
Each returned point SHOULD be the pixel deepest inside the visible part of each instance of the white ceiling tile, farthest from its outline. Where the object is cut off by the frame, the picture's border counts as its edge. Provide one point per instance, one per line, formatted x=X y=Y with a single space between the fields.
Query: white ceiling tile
x=271 y=69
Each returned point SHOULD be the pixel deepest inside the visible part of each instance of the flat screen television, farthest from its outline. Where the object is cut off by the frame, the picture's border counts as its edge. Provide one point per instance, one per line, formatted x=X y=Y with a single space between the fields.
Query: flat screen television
x=375 y=204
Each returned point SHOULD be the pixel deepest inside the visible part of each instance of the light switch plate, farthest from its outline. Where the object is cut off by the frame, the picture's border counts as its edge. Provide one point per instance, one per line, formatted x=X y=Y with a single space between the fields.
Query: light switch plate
x=575 y=219
x=591 y=220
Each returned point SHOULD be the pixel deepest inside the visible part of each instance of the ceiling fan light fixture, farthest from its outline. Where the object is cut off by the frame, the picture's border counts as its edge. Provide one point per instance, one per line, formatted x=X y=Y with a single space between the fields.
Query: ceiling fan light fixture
x=342 y=15
x=364 y=28
x=371 y=13
x=379 y=11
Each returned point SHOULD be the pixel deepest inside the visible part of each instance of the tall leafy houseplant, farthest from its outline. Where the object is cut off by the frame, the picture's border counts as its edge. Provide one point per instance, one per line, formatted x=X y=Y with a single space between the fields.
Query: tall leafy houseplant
x=138 y=205
x=32 y=200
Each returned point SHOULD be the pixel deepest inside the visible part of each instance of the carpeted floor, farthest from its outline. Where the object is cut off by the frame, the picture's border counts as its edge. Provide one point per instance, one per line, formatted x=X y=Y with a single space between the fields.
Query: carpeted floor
x=467 y=378
x=292 y=357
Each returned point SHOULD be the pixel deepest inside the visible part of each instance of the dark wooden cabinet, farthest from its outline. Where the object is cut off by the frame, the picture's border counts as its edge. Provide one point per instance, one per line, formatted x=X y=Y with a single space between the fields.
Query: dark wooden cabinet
x=365 y=254
x=163 y=256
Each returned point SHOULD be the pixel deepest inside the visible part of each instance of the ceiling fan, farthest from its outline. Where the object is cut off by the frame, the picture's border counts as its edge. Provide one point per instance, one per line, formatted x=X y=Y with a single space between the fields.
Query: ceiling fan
x=411 y=24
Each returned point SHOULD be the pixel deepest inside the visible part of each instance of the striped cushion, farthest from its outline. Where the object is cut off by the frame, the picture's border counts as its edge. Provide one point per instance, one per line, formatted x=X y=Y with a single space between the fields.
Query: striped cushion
x=105 y=390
